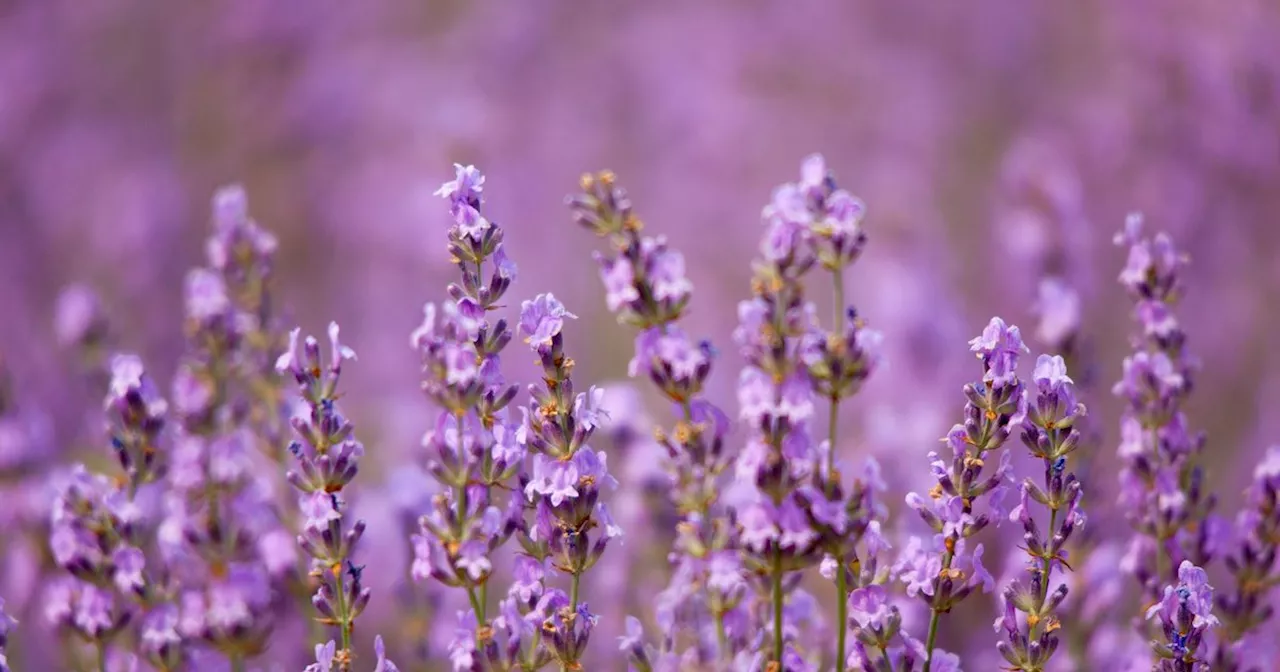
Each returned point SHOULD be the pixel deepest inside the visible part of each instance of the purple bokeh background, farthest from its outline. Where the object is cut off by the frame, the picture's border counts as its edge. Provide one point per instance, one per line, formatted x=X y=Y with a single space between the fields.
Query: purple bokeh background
x=993 y=142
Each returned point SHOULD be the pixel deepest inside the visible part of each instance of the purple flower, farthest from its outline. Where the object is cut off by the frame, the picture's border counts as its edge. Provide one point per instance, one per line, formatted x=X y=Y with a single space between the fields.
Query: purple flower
x=999 y=347
x=324 y=657
x=473 y=557
x=869 y=606
x=462 y=649
x=93 y=609
x=466 y=186
x=129 y=563
x=553 y=479
x=320 y=509
x=380 y=651
x=666 y=274
x=1193 y=593
x=1058 y=306
x=542 y=319
x=619 y=282
x=206 y=295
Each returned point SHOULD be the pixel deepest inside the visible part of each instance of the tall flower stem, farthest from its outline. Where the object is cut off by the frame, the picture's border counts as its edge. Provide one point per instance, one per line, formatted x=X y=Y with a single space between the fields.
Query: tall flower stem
x=934 y=616
x=777 y=608
x=833 y=428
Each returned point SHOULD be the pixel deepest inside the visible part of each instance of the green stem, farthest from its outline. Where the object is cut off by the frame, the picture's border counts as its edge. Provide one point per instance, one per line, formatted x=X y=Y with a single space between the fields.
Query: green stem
x=842 y=589
x=777 y=606
x=722 y=638
x=933 y=622
x=101 y=655
x=237 y=663
x=476 y=604
x=573 y=591
x=842 y=615
x=837 y=277
x=344 y=622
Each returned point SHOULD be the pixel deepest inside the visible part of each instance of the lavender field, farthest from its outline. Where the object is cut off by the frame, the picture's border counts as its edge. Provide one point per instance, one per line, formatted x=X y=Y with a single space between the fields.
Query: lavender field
x=892 y=336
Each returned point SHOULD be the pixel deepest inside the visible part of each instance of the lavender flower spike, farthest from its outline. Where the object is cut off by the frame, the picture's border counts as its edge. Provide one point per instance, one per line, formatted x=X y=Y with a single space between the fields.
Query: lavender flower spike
x=646 y=287
x=328 y=456
x=1050 y=434
x=572 y=526
x=473 y=451
x=947 y=571
x=1162 y=486
x=1252 y=564
x=1186 y=614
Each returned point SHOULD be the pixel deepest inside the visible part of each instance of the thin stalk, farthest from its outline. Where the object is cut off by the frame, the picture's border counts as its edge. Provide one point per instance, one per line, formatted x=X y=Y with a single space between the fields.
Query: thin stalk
x=344 y=620
x=838 y=317
x=573 y=591
x=722 y=638
x=101 y=655
x=842 y=615
x=777 y=607
x=237 y=662
x=842 y=588
x=933 y=622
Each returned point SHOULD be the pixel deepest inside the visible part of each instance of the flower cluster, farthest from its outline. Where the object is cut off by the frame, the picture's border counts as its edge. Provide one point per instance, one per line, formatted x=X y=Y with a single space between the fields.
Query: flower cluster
x=646 y=287
x=474 y=451
x=328 y=456
x=798 y=511
x=224 y=533
x=1185 y=612
x=98 y=528
x=1049 y=433
x=184 y=552
x=1252 y=564
x=571 y=525
x=947 y=569
x=1162 y=485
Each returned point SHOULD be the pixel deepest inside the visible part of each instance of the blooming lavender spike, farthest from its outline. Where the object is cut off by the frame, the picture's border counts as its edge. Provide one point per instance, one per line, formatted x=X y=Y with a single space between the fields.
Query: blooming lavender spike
x=838 y=360
x=328 y=456
x=474 y=451
x=572 y=526
x=1185 y=612
x=136 y=418
x=1247 y=608
x=1161 y=483
x=787 y=521
x=946 y=570
x=1050 y=434
x=646 y=287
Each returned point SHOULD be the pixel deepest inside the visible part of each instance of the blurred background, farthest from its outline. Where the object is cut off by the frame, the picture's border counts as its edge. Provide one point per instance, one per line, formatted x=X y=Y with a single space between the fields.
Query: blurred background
x=995 y=142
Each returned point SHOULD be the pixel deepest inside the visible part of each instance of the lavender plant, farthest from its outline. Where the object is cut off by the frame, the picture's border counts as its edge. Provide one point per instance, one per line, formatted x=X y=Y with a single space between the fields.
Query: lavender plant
x=474 y=451
x=1049 y=433
x=1162 y=484
x=1185 y=612
x=946 y=569
x=328 y=458
x=182 y=552
x=224 y=533
x=1247 y=608
x=98 y=532
x=646 y=287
